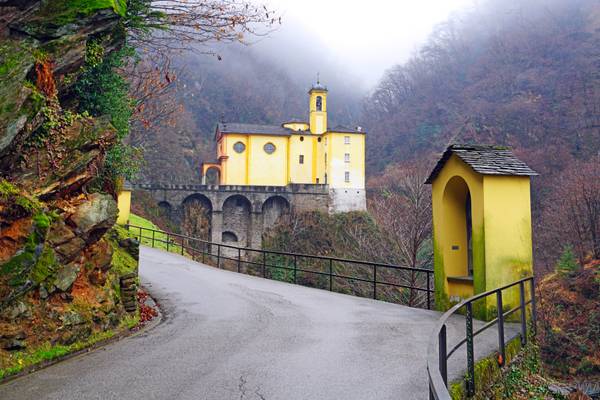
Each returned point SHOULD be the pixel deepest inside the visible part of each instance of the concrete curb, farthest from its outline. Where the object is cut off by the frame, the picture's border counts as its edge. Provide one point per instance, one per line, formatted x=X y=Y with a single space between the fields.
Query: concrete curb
x=135 y=331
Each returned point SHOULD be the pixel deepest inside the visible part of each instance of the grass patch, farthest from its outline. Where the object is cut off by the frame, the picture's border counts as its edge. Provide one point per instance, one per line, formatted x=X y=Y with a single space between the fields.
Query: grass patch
x=160 y=238
x=18 y=361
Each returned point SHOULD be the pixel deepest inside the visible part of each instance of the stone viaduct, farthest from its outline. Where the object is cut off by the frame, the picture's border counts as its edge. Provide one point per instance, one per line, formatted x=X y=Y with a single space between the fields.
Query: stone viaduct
x=236 y=215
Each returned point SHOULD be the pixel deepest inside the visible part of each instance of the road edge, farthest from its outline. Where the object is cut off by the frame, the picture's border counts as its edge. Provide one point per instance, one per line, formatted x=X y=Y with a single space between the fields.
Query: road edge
x=125 y=334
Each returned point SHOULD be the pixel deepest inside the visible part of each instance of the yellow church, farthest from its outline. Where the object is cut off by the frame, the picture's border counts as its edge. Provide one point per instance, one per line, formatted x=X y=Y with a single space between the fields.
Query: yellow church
x=295 y=152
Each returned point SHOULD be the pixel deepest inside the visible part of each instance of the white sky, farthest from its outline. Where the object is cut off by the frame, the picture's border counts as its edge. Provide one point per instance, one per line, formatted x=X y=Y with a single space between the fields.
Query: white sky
x=366 y=37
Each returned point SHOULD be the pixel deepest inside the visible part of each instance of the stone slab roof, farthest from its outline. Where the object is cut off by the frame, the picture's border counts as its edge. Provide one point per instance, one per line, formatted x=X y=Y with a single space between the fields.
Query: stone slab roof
x=484 y=159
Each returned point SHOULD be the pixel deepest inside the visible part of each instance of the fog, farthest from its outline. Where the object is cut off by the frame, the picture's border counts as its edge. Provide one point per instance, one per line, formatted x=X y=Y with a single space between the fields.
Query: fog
x=353 y=40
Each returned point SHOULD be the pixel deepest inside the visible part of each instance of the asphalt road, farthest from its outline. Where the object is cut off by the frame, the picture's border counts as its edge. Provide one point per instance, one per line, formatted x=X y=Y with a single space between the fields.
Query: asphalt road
x=232 y=336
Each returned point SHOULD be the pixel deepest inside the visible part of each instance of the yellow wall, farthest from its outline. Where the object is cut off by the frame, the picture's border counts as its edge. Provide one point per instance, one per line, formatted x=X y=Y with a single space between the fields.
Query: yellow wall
x=301 y=173
x=296 y=126
x=124 y=205
x=268 y=169
x=508 y=255
x=235 y=167
x=336 y=165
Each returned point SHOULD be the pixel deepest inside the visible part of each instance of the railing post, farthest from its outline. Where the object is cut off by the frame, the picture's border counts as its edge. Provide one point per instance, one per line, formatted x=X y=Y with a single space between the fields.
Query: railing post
x=375 y=281
x=239 y=260
x=264 y=266
x=168 y=241
x=218 y=256
x=500 y=312
x=523 y=313
x=533 y=310
x=295 y=269
x=331 y=275
x=182 y=241
x=141 y=235
x=153 y=232
x=428 y=292
x=442 y=350
x=470 y=354
x=204 y=253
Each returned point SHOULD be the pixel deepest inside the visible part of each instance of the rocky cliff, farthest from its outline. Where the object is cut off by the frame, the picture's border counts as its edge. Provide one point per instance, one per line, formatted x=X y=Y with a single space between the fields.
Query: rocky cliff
x=60 y=256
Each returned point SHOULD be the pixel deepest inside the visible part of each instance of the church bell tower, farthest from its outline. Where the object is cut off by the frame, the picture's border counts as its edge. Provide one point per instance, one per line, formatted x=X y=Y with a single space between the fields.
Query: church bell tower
x=318 y=108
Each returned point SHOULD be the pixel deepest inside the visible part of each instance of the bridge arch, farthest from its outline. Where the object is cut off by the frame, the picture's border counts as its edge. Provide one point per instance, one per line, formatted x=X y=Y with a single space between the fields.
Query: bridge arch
x=237 y=211
x=165 y=208
x=197 y=216
x=229 y=237
x=273 y=208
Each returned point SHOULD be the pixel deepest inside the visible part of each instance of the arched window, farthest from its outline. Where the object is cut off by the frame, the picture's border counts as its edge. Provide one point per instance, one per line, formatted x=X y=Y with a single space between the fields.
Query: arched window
x=319 y=103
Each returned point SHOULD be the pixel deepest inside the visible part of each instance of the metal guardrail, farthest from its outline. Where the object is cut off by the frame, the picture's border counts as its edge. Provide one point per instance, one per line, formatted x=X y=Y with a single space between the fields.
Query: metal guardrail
x=203 y=250
x=438 y=354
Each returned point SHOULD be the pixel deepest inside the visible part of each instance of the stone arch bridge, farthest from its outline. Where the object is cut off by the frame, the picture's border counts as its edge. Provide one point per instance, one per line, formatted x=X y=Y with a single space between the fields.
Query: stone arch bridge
x=237 y=215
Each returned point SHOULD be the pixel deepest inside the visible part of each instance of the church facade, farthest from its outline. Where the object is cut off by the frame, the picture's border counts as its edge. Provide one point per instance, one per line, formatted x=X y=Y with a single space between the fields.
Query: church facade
x=295 y=152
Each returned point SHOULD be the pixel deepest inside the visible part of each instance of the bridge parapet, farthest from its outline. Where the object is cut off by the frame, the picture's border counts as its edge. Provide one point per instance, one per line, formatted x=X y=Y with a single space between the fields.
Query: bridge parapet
x=292 y=188
x=237 y=213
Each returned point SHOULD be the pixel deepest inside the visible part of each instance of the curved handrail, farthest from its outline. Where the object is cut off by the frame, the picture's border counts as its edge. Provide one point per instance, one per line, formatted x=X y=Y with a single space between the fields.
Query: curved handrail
x=437 y=349
x=374 y=278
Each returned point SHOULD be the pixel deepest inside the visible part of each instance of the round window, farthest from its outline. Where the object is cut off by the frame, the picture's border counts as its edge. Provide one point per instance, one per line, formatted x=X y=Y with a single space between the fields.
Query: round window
x=302 y=138
x=269 y=148
x=239 y=147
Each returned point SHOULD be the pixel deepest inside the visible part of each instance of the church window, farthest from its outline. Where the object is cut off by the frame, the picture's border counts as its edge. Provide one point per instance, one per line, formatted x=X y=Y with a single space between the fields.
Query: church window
x=319 y=103
x=269 y=148
x=302 y=138
x=347 y=157
x=319 y=140
x=325 y=159
x=347 y=176
x=239 y=147
x=301 y=159
x=346 y=139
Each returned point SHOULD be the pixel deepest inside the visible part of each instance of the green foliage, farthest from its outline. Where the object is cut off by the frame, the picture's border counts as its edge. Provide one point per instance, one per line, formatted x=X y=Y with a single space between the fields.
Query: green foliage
x=122 y=262
x=102 y=90
x=63 y=12
x=48 y=352
x=567 y=263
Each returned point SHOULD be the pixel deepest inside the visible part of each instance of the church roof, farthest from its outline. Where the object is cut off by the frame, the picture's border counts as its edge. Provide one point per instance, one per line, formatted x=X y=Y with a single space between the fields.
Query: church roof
x=344 y=129
x=255 y=129
x=484 y=159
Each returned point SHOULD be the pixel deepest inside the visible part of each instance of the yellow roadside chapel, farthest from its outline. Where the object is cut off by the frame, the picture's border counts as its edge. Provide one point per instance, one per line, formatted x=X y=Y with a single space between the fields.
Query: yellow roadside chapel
x=481 y=224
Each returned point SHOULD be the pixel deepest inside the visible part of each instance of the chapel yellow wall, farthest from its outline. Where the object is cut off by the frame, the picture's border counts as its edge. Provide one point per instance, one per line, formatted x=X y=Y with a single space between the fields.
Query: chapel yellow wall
x=267 y=169
x=446 y=230
x=301 y=173
x=124 y=206
x=336 y=166
x=508 y=238
x=296 y=126
x=235 y=166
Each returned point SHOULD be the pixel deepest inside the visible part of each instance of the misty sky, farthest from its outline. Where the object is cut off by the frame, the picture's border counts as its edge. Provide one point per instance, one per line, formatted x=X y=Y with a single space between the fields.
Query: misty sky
x=363 y=38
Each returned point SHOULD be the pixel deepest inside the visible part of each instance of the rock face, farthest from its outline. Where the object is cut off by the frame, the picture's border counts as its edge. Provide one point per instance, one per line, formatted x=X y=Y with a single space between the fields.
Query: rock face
x=59 y=268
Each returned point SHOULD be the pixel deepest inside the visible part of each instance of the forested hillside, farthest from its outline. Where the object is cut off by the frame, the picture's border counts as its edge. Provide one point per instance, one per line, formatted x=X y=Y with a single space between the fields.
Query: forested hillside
x=519 y=73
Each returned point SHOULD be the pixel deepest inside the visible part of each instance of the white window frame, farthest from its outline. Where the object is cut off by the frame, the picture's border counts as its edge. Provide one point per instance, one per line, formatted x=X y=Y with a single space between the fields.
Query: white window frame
x=346 y=157
x=346 y=139
x=346 y=176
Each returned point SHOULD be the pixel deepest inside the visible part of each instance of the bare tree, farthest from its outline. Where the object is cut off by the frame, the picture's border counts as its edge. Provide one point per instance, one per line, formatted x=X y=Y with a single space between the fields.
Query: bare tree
x=402 y=209
x=572 y=212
